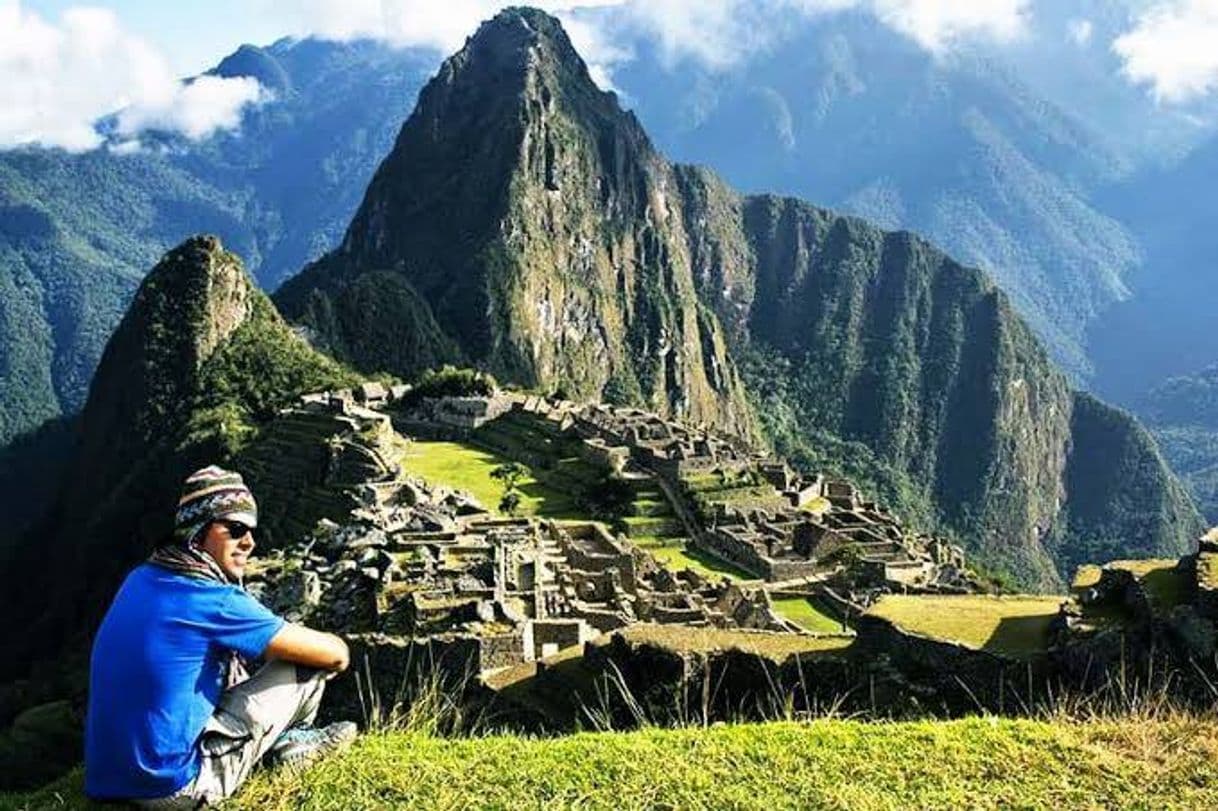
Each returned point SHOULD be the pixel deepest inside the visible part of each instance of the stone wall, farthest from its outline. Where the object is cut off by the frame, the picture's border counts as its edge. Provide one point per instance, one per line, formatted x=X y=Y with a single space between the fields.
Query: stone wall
x=544 y=637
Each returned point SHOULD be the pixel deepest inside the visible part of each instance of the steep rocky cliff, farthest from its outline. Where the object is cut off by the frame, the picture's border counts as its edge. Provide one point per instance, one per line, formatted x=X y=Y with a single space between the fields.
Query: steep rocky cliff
x=529 y=222
x=892 y=345
x=200 y=359
x=525 y=223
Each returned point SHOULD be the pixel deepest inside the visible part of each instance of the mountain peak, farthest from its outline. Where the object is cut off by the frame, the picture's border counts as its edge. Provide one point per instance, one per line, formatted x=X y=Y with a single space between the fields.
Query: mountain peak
x=518 y=25
x=525 y=218
x=257 y=63
x=199 y=289
x=195 y=298
x=517 y=45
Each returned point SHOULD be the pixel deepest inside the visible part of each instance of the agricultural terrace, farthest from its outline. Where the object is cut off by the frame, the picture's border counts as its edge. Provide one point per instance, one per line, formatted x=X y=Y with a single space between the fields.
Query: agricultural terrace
x=468 y=468
x=806 y=615
x=1160 y=577
x=1011 y=626
x=675 y=554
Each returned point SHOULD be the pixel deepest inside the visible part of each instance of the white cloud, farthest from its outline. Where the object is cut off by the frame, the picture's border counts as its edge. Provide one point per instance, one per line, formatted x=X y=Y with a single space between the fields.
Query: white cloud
x=425 y=23
x=1080 y=32
x=600 y=53
x=722 y=33
x=939 y=25
x=716 y=33
x=1173 y=48
x=196 y=109
x=57 y=79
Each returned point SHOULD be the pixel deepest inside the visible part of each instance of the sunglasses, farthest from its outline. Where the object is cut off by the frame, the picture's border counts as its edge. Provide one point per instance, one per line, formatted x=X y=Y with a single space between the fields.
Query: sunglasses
x=236 y=530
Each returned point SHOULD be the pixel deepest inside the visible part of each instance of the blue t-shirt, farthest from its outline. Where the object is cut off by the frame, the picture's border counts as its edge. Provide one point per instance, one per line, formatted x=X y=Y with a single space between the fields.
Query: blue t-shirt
x=156 y=674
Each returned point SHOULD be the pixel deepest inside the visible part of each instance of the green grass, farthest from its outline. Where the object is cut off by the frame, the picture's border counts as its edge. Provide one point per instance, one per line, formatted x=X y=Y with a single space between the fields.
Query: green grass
x=650 y=526
x=806 y=615
x=1012 y=626
x=978 y=763
x=1085 y=577
x=1160 y=577
x=467 y=468
x=1207 y=571
x=775 y=646
x=676 y=554
x=1165 y=586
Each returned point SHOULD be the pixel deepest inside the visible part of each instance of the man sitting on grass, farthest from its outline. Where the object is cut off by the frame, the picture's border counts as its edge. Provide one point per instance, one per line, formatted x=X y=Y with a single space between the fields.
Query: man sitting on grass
x=174 y=720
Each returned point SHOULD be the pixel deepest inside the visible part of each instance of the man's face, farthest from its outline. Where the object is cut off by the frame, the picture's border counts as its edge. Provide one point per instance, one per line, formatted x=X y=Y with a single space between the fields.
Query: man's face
x=230 y=544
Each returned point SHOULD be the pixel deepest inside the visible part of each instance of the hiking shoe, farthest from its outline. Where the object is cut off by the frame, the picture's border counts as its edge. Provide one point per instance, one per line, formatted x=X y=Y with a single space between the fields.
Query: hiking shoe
x=300 y=746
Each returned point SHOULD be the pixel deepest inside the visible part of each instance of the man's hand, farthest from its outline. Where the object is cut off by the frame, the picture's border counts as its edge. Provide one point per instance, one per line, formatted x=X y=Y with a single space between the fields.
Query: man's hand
x=304 y=646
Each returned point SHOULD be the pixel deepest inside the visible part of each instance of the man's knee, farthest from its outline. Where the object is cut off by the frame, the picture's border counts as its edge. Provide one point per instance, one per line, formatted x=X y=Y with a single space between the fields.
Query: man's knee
x=279 y=672
x=280 y=692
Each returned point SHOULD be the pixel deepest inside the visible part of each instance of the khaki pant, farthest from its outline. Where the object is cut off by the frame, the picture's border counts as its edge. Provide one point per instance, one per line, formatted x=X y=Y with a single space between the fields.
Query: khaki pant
x=248 y=720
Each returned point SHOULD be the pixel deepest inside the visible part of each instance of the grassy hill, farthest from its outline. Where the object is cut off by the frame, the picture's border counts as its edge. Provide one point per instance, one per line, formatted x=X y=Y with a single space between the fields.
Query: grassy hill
x=971 y=763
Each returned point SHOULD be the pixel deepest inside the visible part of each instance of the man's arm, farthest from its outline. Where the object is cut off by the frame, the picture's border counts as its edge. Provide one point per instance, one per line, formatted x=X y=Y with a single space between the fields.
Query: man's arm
x=304 y=646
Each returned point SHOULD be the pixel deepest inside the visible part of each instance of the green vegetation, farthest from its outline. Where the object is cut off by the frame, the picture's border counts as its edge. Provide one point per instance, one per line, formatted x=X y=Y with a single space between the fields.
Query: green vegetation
x=1183 y=413
x=1014 y=626
x=1161 y=578
x=449 y=381
x=472 y=470
x=1154 y=518
x=805 y=614
x=261 y=369
x=774 y=646
x=79 y=231
x=971 y=763
x=677 y=554
x=744 y=491
x=1086 y=577
x=198 y=365
x=866 y=354
x=509 y=474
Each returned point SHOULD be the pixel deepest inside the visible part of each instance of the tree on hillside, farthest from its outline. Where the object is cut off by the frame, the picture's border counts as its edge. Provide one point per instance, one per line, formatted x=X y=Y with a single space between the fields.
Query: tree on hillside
x=510 y=473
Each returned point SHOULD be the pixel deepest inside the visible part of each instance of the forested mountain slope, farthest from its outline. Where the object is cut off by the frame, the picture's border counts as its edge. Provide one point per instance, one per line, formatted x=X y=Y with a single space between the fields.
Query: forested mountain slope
x=524 y=222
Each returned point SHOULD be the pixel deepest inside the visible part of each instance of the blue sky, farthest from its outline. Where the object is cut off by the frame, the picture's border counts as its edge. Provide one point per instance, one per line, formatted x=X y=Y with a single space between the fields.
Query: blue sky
x=192 y=35
x=64 y=63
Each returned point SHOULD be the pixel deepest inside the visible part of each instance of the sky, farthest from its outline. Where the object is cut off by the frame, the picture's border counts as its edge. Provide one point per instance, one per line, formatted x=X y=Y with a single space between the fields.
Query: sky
x=193 y=35
x=66 y=63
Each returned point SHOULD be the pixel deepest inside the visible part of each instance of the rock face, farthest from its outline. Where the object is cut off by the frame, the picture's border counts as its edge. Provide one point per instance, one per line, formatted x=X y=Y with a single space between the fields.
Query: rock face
x=199 y=360
x=530 y=222
x=524 y=223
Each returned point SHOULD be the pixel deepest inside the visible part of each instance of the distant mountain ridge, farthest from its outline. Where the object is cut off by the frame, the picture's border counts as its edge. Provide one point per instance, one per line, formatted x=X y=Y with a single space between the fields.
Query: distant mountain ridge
x=77 y=232
x=845 y=112
x=856 y=117
x=564 y=252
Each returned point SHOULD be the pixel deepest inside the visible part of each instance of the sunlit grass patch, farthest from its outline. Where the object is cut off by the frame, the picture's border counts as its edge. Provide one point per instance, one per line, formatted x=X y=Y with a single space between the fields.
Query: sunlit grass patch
x=1161 y=578
x=690 y=639
x=468 y=468
x=806 y=615
x=1009 y=625
x=676 y=554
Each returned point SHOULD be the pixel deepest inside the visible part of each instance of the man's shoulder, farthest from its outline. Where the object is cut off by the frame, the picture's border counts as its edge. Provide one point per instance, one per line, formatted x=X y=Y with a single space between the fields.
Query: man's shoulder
x=150 y=578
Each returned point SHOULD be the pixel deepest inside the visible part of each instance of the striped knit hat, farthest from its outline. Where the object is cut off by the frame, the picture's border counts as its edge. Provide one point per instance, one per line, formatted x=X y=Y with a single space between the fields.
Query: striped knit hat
x=213 y=494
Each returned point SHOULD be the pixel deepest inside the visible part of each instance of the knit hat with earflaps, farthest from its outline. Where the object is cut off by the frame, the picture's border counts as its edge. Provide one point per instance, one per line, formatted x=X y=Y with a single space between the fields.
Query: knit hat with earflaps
x=213 y=494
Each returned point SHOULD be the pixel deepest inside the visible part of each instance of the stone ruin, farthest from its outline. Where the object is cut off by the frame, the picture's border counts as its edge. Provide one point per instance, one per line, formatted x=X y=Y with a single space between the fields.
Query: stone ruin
x=663 y=446
x=425 y=562
x=1127 y=613
x=408 y=560
x=785 y=540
